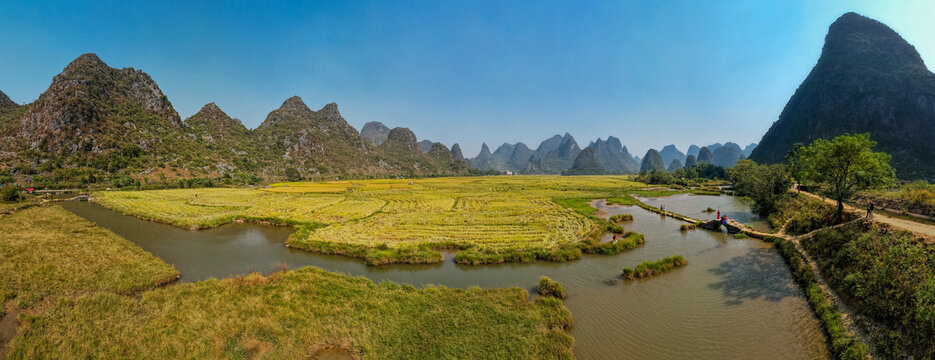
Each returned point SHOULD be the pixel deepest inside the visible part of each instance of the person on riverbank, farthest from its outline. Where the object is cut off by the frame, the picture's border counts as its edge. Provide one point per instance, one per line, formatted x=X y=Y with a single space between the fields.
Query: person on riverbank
x=870 y=207
x=719 y=214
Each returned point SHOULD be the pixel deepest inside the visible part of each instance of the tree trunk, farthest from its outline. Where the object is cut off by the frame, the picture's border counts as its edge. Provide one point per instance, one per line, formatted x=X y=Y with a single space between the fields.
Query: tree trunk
x=840 y=209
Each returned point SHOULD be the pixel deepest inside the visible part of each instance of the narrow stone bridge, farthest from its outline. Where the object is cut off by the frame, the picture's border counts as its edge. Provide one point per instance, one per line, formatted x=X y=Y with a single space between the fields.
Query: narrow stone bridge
x=732 y=226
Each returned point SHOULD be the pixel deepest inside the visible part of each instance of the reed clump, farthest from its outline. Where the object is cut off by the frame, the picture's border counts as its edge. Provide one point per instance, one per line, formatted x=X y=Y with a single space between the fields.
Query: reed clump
x=647 y=269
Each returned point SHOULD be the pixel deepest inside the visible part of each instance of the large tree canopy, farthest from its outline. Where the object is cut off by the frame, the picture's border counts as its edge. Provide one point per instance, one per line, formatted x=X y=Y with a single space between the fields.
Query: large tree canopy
x=846 y=164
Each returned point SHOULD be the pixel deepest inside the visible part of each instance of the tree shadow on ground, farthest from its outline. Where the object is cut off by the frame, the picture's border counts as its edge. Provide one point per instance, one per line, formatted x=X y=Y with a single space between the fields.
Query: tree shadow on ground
x=760 y=274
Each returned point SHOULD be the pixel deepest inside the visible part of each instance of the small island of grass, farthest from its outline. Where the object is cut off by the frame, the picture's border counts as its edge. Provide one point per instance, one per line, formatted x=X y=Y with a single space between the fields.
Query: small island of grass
x=647 y=269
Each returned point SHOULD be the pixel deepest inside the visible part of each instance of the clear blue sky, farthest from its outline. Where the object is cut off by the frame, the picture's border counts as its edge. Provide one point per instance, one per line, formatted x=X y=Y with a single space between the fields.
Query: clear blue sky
x=649 y=72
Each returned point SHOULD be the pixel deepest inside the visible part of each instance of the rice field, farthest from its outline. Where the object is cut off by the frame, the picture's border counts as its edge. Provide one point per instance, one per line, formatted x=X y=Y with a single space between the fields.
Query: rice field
x=397 y=220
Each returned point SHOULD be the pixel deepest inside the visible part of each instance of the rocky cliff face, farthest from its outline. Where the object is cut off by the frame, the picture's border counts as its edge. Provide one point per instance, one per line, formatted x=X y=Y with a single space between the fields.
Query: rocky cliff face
x=652 y=161
x=483 y=158
x=456 y=152
x=88 y=106
x=319 y=141
x=675 y=165
x=5 y=101
x=375 y=132
x=726 y=156
x=868 y=79
x=705 y=156
x=95 y=123
x=669 y=153
x=586 y=163
x=213 y=124
x=614 y=156
x=426 y=145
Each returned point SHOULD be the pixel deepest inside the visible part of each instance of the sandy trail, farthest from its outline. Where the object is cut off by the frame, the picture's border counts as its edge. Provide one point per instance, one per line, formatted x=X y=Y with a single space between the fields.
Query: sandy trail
x=926 y=230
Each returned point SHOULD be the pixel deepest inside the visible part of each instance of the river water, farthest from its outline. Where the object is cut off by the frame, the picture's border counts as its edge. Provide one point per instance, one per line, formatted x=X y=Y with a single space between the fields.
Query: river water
x=735 y=298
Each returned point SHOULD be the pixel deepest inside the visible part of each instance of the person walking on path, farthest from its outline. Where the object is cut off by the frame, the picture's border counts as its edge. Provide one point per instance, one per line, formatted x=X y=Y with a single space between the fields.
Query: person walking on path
x=870 y=210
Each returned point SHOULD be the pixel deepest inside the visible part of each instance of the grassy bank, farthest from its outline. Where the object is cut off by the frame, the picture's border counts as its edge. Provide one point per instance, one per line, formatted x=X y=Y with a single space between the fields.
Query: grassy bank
x=889 y=275
x=295 y=314
x=47 y=250
x=843 y=345
x=490 y=219
x=801 y=214
x=647 y=268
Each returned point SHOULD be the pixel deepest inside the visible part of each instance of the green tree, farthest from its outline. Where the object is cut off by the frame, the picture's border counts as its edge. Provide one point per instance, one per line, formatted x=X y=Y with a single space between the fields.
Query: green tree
x=292 y=174
x=845 y=165
x=795 y=165
x=767 y=185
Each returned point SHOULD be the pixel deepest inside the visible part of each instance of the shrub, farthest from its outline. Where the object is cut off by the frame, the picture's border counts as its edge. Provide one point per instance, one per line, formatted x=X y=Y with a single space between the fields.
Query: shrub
x=621 y=217
x=890 y=274
x=10 y=193
x=547 y=287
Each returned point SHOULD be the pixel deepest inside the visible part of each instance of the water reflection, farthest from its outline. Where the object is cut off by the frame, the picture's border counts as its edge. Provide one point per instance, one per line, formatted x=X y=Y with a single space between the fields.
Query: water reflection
x=755 y=275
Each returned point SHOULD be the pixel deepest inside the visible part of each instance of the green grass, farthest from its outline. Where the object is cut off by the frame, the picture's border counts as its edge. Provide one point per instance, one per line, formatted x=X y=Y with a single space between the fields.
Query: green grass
x=843 y=345
x=890 y=275
x=547 y=287
x=620 y=218
x=49 y=251
x=293 y=315
x=647 y=268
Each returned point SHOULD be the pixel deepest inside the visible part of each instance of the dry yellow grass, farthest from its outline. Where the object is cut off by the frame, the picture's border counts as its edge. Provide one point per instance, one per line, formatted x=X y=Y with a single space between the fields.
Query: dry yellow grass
x=50 y=251
x=487 y=214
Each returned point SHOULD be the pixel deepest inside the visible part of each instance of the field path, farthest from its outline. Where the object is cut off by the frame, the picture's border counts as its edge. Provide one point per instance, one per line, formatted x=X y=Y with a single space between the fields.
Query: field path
x=928 y=231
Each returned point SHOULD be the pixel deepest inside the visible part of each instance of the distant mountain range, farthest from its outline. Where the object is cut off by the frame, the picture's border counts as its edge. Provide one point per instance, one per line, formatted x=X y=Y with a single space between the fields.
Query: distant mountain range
x=560 y=154
x=96 y=123
x=868 y=79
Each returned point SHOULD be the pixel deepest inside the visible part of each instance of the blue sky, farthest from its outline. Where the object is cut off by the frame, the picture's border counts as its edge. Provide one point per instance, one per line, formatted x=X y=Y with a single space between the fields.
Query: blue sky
x=649 y=72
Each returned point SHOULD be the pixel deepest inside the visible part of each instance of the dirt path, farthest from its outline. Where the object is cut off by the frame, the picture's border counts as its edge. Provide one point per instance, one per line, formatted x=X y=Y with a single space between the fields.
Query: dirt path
x=926 y=230
x=8 y=324
x=848 y=315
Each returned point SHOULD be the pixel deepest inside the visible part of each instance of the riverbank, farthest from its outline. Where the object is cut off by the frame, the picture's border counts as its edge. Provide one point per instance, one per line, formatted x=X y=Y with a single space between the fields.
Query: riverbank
x=294 y=315
x=75 y=283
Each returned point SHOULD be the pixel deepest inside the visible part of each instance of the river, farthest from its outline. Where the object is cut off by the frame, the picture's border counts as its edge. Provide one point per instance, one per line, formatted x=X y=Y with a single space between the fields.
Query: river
x=734 y=299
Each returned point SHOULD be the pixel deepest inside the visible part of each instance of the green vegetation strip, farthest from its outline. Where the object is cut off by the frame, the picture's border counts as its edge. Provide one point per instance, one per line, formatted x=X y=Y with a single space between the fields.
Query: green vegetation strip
x=889 y=275
x=295 y=314
x=843 y=345
x=647 y=269
x=47 y=250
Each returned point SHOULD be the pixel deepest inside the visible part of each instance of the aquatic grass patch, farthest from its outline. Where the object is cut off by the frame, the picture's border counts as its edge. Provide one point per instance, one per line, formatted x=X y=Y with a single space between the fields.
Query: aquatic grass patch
x=547 y=287
x=295 y=314
x=620 y=218
x=47 y=250
x=629 y=241
x=647 y=268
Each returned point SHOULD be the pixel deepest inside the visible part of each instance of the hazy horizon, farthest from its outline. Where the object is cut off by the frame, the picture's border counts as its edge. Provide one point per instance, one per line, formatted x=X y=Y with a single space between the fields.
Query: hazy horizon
x=463 y=73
